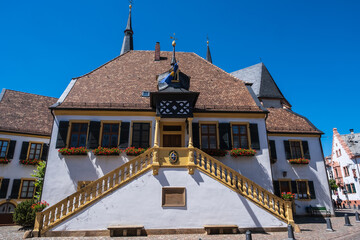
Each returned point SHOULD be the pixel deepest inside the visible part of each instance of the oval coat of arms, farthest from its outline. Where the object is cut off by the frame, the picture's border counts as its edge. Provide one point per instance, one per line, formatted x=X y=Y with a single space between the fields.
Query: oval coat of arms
x=173 y=157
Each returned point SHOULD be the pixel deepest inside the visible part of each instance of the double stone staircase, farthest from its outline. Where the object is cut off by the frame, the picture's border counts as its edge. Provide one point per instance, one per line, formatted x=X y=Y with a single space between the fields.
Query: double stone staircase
x=154 y=158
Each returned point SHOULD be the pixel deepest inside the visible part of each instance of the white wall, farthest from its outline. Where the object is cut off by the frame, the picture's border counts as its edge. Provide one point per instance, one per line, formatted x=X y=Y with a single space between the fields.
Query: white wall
x=14 y=169
x=314 y=171
x=139 y=203
x=64 y=172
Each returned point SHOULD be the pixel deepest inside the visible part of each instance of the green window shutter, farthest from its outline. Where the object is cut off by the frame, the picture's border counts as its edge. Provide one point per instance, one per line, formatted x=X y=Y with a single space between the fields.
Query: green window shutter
x=353 y=188
x=272 y=146
x=287 y=149
x=24 y=150
x=62 y=134
x=254 y=135
x=4 y=187
x=45 y=151
x=277 y=188
x=196 y=135
x=15 y=189
x=11 y=150
x=312 y=190
x=225 y=136
x=94 y=135
x=305 y=147
x=124 y=135
x=293 y=187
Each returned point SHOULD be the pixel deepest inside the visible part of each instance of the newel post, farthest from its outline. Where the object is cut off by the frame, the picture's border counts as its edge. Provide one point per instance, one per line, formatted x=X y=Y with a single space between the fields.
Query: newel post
x=191 y=164
x=157 y=132
x=289 y=212
x=156 y=164
x=38 y=224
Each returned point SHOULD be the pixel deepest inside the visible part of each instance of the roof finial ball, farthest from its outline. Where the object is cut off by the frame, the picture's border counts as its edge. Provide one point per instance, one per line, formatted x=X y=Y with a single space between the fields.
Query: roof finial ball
x=173 y=43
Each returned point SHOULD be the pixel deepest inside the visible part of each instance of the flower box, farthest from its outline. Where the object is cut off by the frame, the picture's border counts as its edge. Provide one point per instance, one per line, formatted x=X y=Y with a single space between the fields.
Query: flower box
x=241 y=152
x=39 y=206
x=74 y=151
x=4 y=160
x=288 y=195
x=132 y=151
x=215 y=152
x=299 y=161
x=107 y=151
x=30 y=162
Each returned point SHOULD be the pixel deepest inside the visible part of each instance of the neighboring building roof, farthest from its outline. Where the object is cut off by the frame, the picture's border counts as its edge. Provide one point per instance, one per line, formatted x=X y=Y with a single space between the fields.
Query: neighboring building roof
x=352 y=140
x=25 y=113
x=286 y=121
x=119 y=83
x=264 y=85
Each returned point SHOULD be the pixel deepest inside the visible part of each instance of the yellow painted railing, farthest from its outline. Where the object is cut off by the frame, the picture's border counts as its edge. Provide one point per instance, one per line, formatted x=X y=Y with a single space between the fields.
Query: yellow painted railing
x=77 y=201
x=234 y=180
x=191 y=158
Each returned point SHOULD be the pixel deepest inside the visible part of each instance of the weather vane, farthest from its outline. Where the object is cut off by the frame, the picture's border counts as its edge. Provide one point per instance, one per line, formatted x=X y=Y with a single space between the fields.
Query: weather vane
x=130 y=3
x=174 y=38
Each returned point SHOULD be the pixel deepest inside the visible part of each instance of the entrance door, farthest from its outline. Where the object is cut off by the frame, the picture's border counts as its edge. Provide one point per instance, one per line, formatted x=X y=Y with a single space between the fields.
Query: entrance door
x=171 y=140
x=172 y=134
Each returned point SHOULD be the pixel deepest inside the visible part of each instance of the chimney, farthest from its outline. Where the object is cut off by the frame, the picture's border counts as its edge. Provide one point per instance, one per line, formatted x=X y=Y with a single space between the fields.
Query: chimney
x=352 y=131
x=157 y=51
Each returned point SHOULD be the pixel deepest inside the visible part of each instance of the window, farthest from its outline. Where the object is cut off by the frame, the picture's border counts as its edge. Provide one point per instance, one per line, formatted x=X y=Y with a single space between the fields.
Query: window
x=110 y=135
x=141 y=135
x=353 y=189
x=339 y=152
x=78 y=134
x=346 y=171
x=336 y=173
x=240 y=136
x=27 y=189
x=208 y=136
x=285 y=186
x=295 y=148
x=3 y=148
x=303 y=189
x=34 y=151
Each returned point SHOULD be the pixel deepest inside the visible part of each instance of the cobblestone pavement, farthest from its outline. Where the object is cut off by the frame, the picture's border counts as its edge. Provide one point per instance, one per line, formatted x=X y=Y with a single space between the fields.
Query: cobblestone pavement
x=311 y=229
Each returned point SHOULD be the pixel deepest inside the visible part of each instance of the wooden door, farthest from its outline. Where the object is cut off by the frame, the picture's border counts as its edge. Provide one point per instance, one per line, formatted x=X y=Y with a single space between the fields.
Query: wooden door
x=172 y=140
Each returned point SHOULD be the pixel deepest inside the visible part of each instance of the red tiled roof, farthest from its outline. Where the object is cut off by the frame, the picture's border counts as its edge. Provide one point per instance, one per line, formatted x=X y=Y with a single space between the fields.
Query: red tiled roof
x=286 y=121
x=26 y=113
x=119 y=83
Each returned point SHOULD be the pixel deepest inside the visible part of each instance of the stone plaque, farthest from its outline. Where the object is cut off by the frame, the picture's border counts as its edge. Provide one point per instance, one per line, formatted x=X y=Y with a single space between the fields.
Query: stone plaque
x=173 y=197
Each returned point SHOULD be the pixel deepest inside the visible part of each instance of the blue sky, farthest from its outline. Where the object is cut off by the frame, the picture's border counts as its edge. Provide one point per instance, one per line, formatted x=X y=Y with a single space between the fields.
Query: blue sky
x=311 y=48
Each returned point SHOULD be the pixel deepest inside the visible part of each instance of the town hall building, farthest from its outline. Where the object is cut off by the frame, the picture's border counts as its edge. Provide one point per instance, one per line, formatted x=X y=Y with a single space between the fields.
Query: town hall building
x=166 y=142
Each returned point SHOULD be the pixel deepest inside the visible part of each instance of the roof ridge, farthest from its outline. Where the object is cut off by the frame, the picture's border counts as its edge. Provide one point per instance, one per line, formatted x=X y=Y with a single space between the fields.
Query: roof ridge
x=35 y=94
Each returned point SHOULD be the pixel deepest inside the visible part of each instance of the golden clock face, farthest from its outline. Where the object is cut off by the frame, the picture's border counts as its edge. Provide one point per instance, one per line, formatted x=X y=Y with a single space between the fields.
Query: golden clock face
x=173 y=157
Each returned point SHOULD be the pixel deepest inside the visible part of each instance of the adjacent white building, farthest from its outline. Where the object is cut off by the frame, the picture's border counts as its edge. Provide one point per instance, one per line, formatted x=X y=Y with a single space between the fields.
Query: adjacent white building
x=25 y=126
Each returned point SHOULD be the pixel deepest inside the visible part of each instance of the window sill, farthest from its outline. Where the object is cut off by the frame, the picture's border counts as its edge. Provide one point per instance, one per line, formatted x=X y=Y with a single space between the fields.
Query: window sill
x=73 y=151
x=30 y=162
x=299 y=161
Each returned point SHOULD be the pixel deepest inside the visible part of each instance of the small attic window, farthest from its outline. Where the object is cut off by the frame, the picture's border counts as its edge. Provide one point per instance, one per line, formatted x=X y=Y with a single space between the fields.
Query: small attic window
x=145 y=94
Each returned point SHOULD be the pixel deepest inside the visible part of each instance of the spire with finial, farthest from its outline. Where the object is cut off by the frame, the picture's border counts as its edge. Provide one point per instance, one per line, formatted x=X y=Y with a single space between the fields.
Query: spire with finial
x=208 y=54
x=128 y=38
x=173 y=60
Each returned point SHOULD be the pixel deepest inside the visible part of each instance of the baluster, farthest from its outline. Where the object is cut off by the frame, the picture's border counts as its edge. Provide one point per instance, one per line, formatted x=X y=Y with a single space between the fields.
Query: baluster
x=208 y=165
x=228 y=176
x=76 y=202
x=276 y=202
x=244 y=184
x=122 y=176
x=133 y=168
x=261 y=197
x=240 y=184
x=117 y=177
x=70 y=208
x=143 y=162
x=213 y=168
x=100 y=187
x=111 y=181
x=105 y=184
x=87 y=192
x=52 y=215
x=46 y=219
x=271 y=203
x=202 y=161
x=64 y=208
x=58 y=211
x=282 y=210
x=223 y=173
x=94 y=190
x=218 y=171
x=127 y=171
x=255 y=193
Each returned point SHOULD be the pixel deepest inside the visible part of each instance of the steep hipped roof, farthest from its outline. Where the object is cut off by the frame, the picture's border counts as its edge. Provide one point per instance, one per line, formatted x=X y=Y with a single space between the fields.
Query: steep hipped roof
x=119 y=83
x=25 y=113
x=264 y=85
x=286 y=121
x=353 y=142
